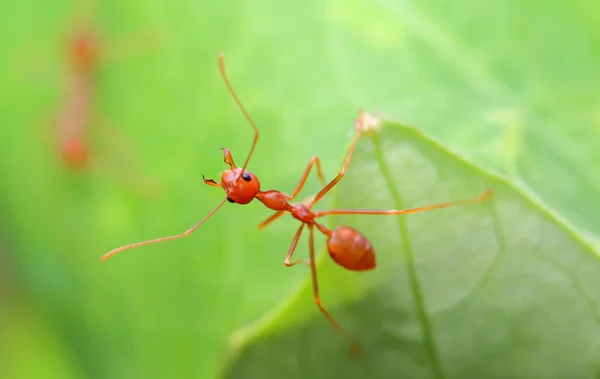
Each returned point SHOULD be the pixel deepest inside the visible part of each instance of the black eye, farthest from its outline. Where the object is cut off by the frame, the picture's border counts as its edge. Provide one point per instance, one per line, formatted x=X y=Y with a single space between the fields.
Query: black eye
x=230 y=200
x=246 y=176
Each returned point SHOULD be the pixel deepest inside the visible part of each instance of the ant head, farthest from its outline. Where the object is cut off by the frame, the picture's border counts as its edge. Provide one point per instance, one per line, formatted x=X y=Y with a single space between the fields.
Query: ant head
x=240 y=185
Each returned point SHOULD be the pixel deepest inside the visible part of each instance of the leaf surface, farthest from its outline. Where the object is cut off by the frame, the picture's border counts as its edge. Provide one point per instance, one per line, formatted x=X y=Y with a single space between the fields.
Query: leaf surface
x=500 y=289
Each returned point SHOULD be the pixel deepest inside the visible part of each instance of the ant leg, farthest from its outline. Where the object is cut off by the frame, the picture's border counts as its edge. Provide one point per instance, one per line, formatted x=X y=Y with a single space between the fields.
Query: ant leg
x=487 y=194
x=339 y=177
x=354 y=347
x=314 y=160
x=292 y=248
x=272 y=218
x=162 y=239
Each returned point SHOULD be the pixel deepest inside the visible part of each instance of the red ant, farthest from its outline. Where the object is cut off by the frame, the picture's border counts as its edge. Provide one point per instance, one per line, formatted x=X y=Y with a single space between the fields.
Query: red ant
x=85 y=55
x=346 y=245
x=75 y=115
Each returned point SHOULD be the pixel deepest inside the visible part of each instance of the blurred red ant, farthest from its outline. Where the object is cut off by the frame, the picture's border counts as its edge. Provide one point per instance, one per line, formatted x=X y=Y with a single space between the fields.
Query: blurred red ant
x=346 y=245
x=84 y=58
x=76 y=112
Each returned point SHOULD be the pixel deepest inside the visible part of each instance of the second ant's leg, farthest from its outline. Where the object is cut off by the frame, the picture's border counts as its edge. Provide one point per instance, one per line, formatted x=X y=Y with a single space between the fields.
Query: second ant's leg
x=292 y=248
x=354 y=347
x=393 y=212
x=314 y=160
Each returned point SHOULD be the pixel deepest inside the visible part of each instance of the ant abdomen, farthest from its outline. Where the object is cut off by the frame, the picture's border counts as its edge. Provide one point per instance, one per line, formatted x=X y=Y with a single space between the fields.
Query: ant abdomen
x=350 y=249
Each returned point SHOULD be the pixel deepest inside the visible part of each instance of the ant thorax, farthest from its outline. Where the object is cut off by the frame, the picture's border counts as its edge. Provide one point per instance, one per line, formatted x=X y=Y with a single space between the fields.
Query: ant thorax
x=302 y=213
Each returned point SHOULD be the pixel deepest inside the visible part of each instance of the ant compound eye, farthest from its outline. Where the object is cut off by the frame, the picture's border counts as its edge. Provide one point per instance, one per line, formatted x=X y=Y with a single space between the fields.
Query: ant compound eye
x=230 y=200
x=246 y=176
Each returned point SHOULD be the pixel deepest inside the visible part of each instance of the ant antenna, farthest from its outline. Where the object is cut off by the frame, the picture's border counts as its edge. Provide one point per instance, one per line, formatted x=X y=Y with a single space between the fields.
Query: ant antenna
x=244 y=111
x=162 y=239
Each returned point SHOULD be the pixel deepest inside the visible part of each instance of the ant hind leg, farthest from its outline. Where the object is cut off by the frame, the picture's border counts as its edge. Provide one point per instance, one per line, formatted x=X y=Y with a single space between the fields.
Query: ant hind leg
x=354 y=346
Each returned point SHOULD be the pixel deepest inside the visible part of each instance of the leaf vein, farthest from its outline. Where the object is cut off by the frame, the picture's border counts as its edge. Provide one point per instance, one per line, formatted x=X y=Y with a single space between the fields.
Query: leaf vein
x=417 y=291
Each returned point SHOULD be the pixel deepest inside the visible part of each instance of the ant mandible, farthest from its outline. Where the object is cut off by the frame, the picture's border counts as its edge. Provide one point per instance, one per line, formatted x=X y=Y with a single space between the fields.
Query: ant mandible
x=346 y=245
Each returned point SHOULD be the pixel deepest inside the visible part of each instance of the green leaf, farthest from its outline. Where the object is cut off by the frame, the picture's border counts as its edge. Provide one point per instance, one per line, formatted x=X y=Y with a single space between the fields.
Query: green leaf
x=500 y=289
x=507 y=84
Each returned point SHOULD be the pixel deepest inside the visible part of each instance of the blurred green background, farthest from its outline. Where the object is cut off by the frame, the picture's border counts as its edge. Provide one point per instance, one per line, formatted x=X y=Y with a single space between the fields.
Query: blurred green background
x=511 y=85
